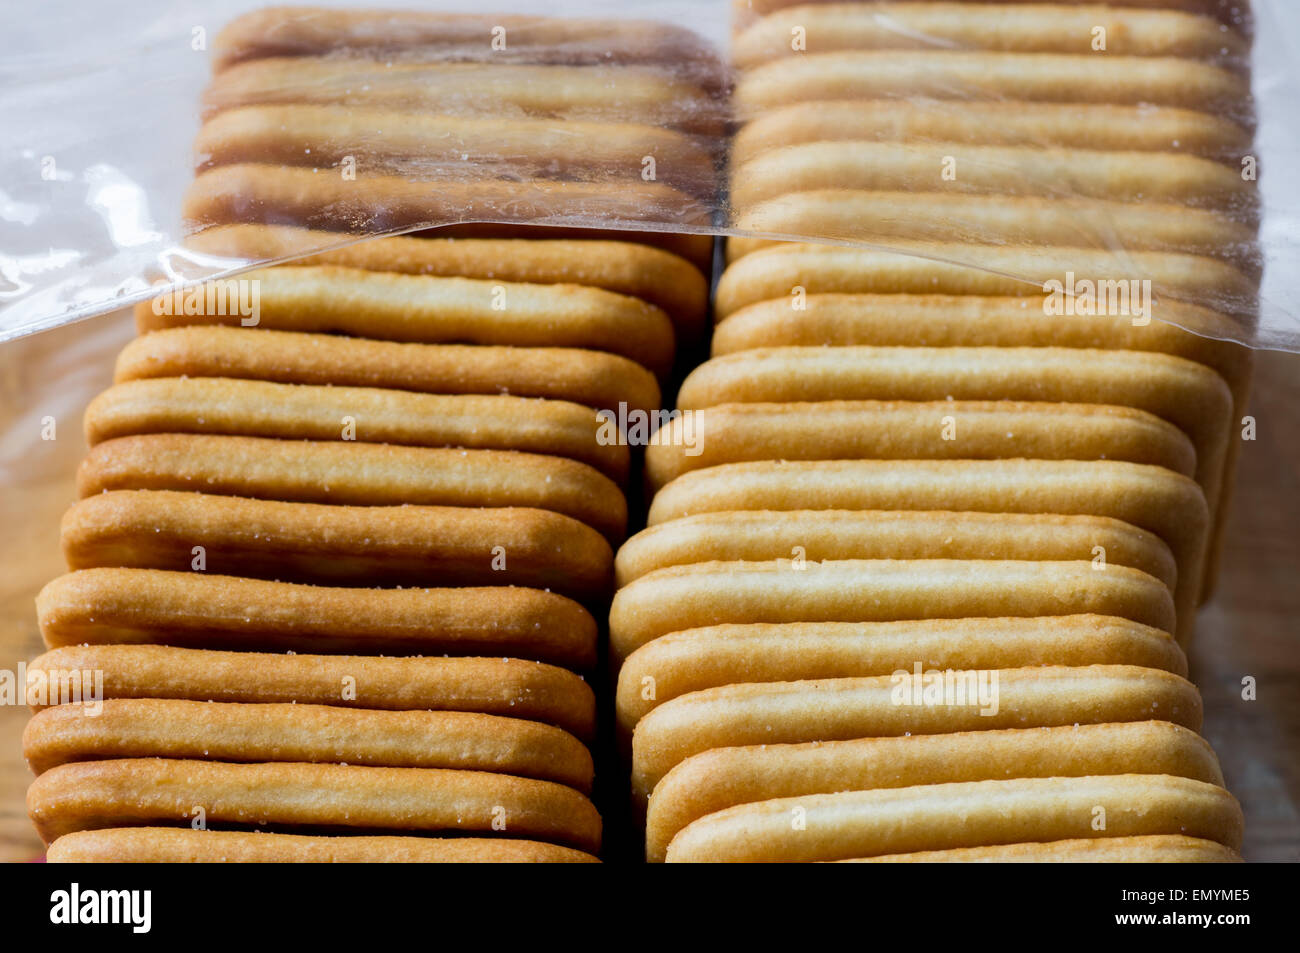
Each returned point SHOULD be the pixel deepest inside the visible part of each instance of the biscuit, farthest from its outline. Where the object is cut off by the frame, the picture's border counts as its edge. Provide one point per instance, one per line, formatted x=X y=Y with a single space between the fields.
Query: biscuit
x=166 y=845
x=973 y=814
x=929 y=268
x=1151 y=498
x=348 y=545
x=1077 y=126
x=1157 y=177
x=591 y=378
x=982 y=76
x=251 y=408
x=204 y=610
x=665 y=280
x=1233 y=12
x=493 y=686
x=695 y=247
x=440 y=148
x=909 y=430
x=837 y=709
x=818 y=535
x=879 y=217
x=596 y=93
x=261 y=193
x=161 y=792
x=726 y=777
x=1188 y=395
x=696 y=659
x=834 y=27
x=358 y=474
x=217 y=731
x=306 y=31
x=1151 y=849
x=435 y=310
x=879 y=590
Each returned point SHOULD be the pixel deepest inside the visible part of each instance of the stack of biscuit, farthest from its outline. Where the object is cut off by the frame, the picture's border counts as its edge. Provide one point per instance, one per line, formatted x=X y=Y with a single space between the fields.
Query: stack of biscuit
x=923 y=559
x=339 y=571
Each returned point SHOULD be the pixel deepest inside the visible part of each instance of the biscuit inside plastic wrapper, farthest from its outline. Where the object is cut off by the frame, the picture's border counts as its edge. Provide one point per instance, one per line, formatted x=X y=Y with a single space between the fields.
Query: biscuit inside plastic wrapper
x=1117 y=163
x=160 y=152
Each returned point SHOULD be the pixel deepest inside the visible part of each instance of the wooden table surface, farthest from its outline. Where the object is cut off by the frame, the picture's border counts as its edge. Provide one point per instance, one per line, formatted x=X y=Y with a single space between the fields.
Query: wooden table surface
x=1251 y=628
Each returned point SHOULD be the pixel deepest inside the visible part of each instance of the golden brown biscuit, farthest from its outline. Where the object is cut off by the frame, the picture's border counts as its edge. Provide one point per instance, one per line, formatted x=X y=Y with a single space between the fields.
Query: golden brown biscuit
x=595 y=93
x=376 y=204
x=974 y=814
x=361 y=474
x=591 y=378
x=879 y=217
x=663 y=279
x=927 y=268
x=979 y=76
x=1233 y=12
x=352 y=545
x=1046 y=28
x=250 y=408
x=1151 y=849
x=161 y=792
x=696 y=659
x=433 y=310
x=817 y=535
x=494 y=686
x=215 y=731
x=914 y=430
x=726 y=777
x=100 y=606
x=1077 y=125
x=1153 y=498
x=882 y=590
x=165 y=845
x=838 y=709
x=1163 y=178
x=1188 y=395
x=453 y=149
x=305 y=31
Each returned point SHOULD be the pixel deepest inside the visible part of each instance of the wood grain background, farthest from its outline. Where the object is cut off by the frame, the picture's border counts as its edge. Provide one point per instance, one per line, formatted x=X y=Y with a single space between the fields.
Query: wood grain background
x=1252 y=627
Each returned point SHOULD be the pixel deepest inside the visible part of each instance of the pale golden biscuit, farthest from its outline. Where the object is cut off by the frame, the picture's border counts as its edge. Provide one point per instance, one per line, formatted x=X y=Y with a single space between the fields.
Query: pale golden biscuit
x=1151 y=849
x=1187 y=394
x=303 y=31
x=908 y=430
x=696 y=659
x=979 y=76
x=1078 y=125
x=893 y=320
x=881 y=216
x=696 y=248
x=973 y=814
x=838 y=709
x=595 y=93
x=494 y=686
x=927 y=268
x=435 y=310
x=215 y=731
x=1153 y=498
x=261 y=193
x=1045 y=28
x=99 y=606
x=159 y=791
x=359 y=474
x=441 y=148
x=350 y=545
x=880 y=590
x=252 y=408
x=818 y=535
x=726 y=777
x=665 y=280
x=165 y=845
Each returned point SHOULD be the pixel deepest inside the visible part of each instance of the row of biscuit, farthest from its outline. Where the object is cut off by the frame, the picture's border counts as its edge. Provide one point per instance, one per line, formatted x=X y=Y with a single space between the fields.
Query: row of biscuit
x=922 y=549
x=338 y=569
